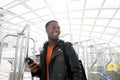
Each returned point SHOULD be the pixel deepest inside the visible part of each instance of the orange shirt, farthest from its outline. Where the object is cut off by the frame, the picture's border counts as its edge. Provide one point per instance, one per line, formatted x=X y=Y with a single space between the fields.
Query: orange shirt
x=48 y=57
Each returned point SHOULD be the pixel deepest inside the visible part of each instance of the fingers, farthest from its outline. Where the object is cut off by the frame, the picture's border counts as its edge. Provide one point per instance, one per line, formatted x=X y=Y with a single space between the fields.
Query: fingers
x=30 y=60
x=33 y=66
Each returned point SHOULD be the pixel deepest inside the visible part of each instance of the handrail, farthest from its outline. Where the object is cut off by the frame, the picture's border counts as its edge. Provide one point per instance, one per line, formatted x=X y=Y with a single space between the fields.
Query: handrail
x=86 y=53
x=79 y=44
x=110 y=52
x=95 y=49
x=94 y=63
x=2 y=41
x=108 y=46
x=1 y=46
x=21 y=64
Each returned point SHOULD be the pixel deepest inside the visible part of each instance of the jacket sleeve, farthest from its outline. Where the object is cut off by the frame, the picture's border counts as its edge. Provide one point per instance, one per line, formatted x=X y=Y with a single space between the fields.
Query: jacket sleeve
x=74 y=62
x=37 y=74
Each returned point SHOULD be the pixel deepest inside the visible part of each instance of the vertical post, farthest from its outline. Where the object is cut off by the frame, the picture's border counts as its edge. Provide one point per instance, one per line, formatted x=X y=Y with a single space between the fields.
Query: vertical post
x=27 y=27
x=13 y=75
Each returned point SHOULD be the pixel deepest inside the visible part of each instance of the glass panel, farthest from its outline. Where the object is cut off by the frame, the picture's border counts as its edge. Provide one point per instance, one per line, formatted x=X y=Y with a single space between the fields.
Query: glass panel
x=19 y=9
x=97 y=3
x=36 y=4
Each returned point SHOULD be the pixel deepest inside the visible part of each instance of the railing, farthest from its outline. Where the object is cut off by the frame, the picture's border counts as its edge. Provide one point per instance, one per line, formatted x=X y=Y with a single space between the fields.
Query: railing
x=21 y=51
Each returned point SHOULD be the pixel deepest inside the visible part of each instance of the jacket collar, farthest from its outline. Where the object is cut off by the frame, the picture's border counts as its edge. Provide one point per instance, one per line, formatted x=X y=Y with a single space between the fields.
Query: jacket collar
x=59 y=43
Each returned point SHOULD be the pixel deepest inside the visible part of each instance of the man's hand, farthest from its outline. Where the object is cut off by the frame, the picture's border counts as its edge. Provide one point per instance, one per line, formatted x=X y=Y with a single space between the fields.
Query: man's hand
x=32 y=65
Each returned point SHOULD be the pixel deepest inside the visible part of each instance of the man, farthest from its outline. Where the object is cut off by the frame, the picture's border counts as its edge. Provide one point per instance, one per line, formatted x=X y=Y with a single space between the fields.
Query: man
x=53 y=64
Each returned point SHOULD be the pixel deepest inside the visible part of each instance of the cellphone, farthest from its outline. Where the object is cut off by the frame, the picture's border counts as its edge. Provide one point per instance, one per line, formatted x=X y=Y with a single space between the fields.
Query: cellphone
x=30 y=60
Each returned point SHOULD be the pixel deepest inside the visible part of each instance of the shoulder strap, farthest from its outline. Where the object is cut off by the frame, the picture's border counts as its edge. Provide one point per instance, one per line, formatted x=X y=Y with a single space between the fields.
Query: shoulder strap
x=69 y=73
x=83 y=71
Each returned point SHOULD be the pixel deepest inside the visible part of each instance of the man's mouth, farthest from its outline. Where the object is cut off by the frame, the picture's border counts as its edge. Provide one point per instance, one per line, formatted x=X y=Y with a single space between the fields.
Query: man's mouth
x=56 y=34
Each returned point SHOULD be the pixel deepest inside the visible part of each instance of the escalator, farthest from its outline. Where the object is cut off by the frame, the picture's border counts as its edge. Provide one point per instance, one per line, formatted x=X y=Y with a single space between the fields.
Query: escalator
x=98 y=69
x=115 y=75
x=99 y=76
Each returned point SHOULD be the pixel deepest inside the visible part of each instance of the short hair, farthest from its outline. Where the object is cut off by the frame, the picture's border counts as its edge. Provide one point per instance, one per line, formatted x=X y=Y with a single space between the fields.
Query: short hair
x=50 y=22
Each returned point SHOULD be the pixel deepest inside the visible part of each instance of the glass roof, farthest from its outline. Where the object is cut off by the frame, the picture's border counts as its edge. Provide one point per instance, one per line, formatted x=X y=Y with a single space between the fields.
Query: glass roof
x=79 y=19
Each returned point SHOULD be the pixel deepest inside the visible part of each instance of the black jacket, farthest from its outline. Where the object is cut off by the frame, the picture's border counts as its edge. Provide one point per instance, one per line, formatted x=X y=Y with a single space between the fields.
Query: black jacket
x=57 y=67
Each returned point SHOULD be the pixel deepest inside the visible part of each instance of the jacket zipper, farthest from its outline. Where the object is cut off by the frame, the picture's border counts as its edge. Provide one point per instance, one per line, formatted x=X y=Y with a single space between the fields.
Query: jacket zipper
x=50 y=60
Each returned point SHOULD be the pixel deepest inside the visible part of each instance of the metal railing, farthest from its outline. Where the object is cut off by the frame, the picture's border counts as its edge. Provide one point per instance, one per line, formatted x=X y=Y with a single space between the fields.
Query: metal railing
x=21 y=51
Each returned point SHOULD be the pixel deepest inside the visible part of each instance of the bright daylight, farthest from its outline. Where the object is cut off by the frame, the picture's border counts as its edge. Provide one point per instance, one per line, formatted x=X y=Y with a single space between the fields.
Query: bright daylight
x=59 y=39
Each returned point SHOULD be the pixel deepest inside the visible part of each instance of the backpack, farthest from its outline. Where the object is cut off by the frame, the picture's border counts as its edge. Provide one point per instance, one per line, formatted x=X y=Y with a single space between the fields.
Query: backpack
x=83 y=77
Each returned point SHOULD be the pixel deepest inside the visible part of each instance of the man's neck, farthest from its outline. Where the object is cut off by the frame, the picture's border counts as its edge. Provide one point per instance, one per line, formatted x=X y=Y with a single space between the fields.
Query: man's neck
x=52 y=42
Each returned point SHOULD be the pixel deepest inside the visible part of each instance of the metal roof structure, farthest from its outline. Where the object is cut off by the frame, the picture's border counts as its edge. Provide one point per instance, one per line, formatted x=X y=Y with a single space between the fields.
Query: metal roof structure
x=80 y=20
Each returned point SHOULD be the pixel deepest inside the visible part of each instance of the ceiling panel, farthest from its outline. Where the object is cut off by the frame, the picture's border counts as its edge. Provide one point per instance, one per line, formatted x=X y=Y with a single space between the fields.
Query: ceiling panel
x=98 y=29
x=79 y=19
x=87 y=28
x=16 y=20
x=96 y=35
x=117 y=14
x=116 y=40
x=110 y=31
x=36 y=4
x=106 y=37
x=89 y=21
x=115 y=23
x=93 y=3
x=91 y=13
x=118 y=34
x=75 y=21
x=75 y=5
x=102 y=22
x=5 y=2
x=29 y=16
x=58 y=9
x=61 y=16
x=106 y=13
x=76 y=14
x=19 y=9
x=111 y=4
x=43 y=12
x=48 y=17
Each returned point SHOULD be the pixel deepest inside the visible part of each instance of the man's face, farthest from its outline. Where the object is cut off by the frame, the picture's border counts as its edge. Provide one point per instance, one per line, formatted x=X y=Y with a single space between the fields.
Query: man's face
x=53 y=30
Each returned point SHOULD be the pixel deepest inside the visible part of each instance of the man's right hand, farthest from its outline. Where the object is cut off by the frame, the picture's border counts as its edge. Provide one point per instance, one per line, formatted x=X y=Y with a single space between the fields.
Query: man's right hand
x=32 y=65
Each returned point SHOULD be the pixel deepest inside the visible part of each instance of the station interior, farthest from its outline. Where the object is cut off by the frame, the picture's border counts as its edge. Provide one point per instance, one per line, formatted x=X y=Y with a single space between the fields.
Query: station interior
x=92 y=26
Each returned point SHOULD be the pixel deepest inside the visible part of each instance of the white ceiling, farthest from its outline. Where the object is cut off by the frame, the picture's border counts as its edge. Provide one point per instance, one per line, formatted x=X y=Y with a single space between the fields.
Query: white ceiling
x=79 y=19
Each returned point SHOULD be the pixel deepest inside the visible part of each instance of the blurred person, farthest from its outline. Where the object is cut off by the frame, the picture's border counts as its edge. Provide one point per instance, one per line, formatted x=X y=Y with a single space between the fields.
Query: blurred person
x=58 y=60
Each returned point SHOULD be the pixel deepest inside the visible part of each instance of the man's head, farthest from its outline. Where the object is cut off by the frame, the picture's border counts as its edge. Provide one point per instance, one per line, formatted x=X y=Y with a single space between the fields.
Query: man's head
x=52 y=29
